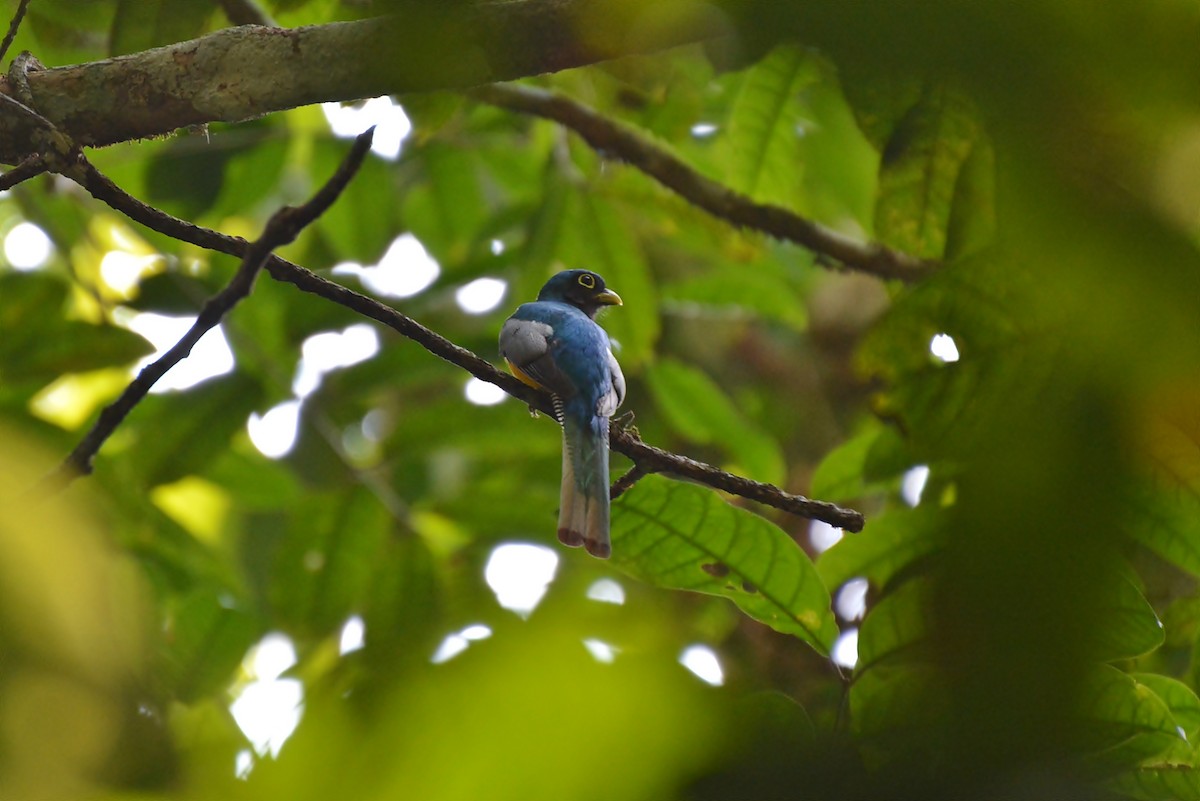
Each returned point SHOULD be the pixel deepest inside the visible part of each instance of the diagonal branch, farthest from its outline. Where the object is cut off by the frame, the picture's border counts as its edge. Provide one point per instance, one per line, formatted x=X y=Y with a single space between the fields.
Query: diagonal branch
x=283 y=227
x=646 y=458
x=613 y=139
x=13 y=26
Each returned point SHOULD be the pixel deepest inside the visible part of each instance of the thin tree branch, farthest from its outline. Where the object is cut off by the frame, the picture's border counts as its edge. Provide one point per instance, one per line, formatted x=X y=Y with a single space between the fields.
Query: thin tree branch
x=12 y=28
x=625 y=483
x=646 y=457
x=613 y=139
x=31 y=167
x=283 y=227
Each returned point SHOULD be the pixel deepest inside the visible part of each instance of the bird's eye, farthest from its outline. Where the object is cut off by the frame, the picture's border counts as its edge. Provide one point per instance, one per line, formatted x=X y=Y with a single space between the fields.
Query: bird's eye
x=587 y=281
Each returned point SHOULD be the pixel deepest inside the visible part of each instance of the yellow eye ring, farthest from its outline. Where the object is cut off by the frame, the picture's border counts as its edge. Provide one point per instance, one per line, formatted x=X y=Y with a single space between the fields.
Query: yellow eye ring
x=587 y=281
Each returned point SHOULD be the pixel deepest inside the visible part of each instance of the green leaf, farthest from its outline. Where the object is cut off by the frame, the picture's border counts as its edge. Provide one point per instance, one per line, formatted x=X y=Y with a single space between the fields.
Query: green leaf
x=895 y=627
x=208 y=637
x=1160 y=783
x=179 y=433
x=1127 y=722
x=448 y=207
x=39 y=344
x=595 y=237
x=763 y=133
x=754 y=292
x=839 y=476
x=324 y=570
x=69 y=347
x=680 y=536
x=698 y=409
x=359 y=226
x=143 y=24
x=920 y=172
x=1179 y=698
x=186 y=175
x=174 y=293
x=887 y=545
x=1131 y=628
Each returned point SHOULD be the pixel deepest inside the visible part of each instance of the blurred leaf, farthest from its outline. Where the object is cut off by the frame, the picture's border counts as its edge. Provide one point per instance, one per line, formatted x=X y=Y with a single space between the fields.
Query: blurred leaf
x=181 y=432
x=174 y=293
x=521 y=703
x=143 y=24
x=359 y=226
x=675 y=535
x=448 y=207
x=921 y=166
x=186 y=176
x=595 y=237
x=207 y=640
x=754 y=293
x=1165 y=506
x=1131 y=627
x=839 y=476
x=323 y=572
x=38 y=344
x=886 y=547
x=896 y=630
x=700 y=411
x=764 y=128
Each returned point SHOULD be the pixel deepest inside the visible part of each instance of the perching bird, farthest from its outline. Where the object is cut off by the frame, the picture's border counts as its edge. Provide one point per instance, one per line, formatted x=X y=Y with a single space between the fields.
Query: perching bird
x=554 y=344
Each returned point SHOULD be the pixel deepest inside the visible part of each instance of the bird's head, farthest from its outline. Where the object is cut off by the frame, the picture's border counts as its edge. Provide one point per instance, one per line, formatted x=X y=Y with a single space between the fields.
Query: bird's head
x=582 y=289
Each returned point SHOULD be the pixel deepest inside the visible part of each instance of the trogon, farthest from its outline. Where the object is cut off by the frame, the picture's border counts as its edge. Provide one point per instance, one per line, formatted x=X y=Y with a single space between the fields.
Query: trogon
x=554 y=344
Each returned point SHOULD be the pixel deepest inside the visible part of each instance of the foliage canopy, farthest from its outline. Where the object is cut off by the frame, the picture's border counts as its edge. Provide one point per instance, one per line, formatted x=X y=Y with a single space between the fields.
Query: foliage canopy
x=1032 y=497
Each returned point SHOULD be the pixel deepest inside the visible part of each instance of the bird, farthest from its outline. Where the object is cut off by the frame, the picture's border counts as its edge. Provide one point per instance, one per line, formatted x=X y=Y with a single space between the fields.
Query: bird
x=554 y=344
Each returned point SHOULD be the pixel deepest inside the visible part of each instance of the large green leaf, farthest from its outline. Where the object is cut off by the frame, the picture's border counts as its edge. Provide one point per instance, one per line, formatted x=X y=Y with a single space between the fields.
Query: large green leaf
x=208 y=637
x=324 y=569
x=749 y=292
x=698 y=409
x=181 y=432
x=143 y=24
x=920 y=172
x=38 y=344
x=886 y=546
x=1130 y=626
x=1179 y=698
x=764 y=129
x=1127 y=723
x=680 y=536
x=596 y=237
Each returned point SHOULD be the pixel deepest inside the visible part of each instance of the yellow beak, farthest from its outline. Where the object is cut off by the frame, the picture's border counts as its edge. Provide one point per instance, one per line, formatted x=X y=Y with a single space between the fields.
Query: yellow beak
x=609 y=298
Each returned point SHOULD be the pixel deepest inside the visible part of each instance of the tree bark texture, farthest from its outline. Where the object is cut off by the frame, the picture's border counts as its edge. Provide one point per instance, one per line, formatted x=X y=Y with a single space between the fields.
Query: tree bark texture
x=244 y=72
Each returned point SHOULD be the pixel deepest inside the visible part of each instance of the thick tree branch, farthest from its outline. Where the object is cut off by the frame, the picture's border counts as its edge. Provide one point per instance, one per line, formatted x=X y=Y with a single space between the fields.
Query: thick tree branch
x=613 y=139
x=248 y=71
x=646 y=458
x=283 y=227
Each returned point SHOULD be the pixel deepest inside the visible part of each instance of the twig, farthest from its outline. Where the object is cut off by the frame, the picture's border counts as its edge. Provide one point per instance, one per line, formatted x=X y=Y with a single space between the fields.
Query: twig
x=283 y=227
x=614 y=139
x=31 y=167
x=12 y=28
x=650 y=459
x=246 y=12
x=655 y=460
x=626 y=482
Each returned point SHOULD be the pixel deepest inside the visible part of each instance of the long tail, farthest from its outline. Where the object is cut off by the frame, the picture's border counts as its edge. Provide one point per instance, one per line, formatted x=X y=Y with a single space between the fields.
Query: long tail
x=583 y=508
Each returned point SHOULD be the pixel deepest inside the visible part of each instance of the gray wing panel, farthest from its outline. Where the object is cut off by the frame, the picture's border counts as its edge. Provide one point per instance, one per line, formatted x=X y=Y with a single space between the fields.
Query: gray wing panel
x=527 y=344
